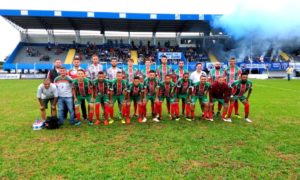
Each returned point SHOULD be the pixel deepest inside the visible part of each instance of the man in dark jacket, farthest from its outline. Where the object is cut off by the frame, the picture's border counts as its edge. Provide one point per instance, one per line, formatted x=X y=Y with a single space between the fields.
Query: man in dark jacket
x=53 y=73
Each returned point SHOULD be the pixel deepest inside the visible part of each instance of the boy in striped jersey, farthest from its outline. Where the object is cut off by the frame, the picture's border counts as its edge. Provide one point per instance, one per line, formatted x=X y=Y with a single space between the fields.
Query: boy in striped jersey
x=83 y=90
x=238 y=91
x=101 y=94
x=232 y=74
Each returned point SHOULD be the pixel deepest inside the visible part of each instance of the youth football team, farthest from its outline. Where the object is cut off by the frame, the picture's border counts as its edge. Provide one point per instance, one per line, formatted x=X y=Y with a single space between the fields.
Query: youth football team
x=102 y=90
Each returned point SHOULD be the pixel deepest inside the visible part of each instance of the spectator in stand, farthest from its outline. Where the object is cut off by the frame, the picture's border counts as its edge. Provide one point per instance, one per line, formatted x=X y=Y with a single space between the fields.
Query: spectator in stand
x=53 y=73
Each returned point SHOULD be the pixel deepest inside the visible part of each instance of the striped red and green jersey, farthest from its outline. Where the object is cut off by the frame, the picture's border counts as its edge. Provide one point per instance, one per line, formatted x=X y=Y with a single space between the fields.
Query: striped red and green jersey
x=118 y=87
x=145 y=71
x=130 y=73
x=162 y=71
x=101 y=87
x=180 y=72
x=239 y=88
x=135 y=90
x=184 y=86
x=151 y=85
x=201 y=89
x=84 y=87
x=165 y=89
x=73 y=72
x=215 y=74
x=232 y=74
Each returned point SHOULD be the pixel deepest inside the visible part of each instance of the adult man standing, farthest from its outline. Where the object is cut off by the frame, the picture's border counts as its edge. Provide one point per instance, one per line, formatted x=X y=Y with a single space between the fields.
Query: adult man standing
x=93 y=69
x=195 y=76
x=232 y=73
x=137 y=95
x=166 y=87
x=239 y=88
x=180 y=71
x=47 y=92
x=76 y=67
x=101 y=91
x=130 y=71
x=163 y=69
x=83 y=90
x=111 y=72
x=289 y=72
x=200 y=92
x=146 y=71
x=117 y=89
x=219 y=92
x=53 y=73
x=184 y=88
x=73 y=74
x=64 y=90
x=215 y=73
x=151 y=85
x=213 y=76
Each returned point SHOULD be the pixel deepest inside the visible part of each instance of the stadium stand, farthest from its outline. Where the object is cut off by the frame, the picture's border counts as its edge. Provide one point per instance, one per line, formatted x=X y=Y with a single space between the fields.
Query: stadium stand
x=38 y=51
x=70 y=56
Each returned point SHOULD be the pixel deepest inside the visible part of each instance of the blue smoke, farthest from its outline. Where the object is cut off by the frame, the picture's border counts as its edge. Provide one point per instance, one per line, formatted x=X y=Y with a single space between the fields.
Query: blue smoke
x=266 y=24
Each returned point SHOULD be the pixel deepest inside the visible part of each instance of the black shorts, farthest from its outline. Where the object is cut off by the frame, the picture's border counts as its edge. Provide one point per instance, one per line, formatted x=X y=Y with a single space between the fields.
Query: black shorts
x=45 y=101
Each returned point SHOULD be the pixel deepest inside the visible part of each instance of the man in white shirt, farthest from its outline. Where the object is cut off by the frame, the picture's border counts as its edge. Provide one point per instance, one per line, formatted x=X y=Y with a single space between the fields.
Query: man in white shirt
x=195 y=76
x=93 y=69
x=47 y=92
x=111 y=72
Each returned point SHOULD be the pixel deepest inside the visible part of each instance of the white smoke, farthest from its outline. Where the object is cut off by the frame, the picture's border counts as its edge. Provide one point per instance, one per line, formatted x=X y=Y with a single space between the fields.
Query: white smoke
x=259 y=25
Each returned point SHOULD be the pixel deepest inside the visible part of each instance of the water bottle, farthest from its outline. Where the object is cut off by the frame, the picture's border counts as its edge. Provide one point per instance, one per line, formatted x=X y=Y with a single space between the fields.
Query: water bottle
x=36 y=124
x=37 y=120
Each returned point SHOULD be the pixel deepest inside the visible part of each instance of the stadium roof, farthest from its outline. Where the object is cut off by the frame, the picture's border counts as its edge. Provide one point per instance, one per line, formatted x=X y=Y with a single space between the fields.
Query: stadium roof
x=105 y=21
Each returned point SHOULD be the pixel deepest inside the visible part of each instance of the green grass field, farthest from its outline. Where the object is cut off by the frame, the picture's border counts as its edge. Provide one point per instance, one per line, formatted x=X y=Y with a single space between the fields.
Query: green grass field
x=266 y=149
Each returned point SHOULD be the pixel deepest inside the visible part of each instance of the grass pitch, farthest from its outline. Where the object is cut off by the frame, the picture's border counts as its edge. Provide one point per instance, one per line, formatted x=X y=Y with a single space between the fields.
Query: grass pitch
x=266 y=149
